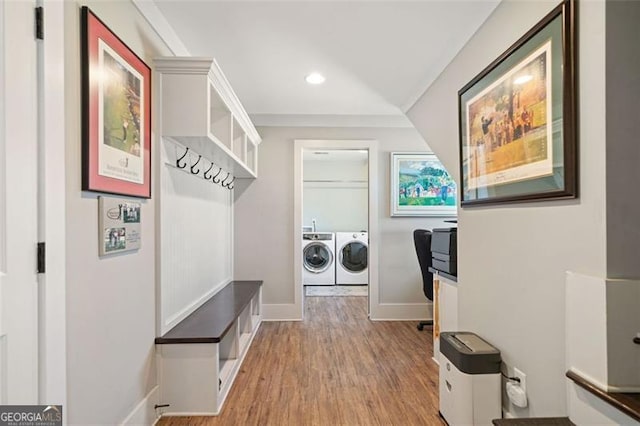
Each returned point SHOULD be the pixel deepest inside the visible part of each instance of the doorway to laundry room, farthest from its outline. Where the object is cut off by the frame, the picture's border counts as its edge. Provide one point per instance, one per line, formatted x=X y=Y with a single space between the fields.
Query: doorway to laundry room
x=334 y=212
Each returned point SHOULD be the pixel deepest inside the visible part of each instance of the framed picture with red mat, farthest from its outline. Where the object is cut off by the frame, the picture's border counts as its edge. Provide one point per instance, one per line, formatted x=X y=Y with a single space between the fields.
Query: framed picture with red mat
x=116 y=113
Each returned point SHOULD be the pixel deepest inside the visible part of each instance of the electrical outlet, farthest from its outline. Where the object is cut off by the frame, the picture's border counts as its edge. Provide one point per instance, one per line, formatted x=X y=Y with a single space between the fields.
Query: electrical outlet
x=523 y=379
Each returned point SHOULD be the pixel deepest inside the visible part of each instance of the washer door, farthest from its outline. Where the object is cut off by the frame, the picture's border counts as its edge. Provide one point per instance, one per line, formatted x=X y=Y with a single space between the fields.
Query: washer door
x=353 y=256
x=317 y=257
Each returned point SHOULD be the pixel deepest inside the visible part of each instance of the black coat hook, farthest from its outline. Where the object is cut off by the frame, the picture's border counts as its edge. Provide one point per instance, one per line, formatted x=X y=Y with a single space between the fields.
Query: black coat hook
x=214 y=178
x=227 y=185
x=225 y=178
x=207 y=177
x=182 y=166
x=195 y=164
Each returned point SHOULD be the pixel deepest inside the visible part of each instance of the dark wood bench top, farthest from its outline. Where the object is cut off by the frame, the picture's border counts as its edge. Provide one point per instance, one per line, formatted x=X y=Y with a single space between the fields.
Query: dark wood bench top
x=211 y=321
x=534 y=421
x=628 y=403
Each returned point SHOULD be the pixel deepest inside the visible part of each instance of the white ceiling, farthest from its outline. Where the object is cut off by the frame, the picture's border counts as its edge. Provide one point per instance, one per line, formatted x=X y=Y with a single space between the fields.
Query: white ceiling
x=378 y=57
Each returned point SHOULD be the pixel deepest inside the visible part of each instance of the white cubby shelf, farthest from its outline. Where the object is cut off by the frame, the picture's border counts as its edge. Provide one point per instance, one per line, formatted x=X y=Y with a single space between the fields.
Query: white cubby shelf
x=200 y=111
x=200 y=357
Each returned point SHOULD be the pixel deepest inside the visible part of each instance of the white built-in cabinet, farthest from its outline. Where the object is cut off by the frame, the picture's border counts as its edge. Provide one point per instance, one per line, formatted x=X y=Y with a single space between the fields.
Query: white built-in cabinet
x=206 y=321
x=199 y=359
x=445 y=310
x=200 y=111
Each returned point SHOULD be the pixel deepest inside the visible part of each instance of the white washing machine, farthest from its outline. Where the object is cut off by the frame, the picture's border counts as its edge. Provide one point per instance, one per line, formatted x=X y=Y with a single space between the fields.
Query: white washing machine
x=353 y=258
x=318 y=258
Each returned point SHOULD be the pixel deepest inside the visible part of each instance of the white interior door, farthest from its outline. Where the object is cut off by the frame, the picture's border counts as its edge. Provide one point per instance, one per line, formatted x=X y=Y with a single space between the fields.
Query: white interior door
x=18 y=204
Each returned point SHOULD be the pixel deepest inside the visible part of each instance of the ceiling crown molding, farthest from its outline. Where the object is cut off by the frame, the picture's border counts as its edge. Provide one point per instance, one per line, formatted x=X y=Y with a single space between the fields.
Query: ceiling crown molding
x=159 y=23
x=224 y=89
x=330 y=120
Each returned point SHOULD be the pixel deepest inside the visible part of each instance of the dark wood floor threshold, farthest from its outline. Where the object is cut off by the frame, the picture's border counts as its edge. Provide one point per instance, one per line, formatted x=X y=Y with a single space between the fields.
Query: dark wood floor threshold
x=211 y=321
x=628 y=403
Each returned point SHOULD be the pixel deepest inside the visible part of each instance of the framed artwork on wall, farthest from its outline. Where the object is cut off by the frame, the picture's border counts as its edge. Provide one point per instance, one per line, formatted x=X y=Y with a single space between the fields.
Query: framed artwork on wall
x=421 y=186
x=517 y=119
x=116 y=113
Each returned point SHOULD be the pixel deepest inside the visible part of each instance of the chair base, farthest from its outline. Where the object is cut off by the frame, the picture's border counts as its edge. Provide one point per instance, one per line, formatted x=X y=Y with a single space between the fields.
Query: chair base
x=422 y=324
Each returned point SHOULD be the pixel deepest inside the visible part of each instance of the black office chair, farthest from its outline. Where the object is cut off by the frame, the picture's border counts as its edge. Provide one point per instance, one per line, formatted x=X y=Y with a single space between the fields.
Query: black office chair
x=422 y=241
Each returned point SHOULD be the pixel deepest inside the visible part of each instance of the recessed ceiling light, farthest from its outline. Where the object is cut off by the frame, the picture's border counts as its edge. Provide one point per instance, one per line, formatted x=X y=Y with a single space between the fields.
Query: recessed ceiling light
x=314 y=78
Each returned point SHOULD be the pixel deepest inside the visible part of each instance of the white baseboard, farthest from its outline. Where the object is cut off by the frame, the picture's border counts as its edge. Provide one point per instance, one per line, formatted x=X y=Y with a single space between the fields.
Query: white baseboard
x=281 y=312
x=401 y=312
x=144 y=413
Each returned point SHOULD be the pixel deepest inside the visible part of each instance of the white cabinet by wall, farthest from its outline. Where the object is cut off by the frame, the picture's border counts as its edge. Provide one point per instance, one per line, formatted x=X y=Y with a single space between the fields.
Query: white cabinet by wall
x=199 y=359
x=207 y=142
x=445 y=311
x=200 y=111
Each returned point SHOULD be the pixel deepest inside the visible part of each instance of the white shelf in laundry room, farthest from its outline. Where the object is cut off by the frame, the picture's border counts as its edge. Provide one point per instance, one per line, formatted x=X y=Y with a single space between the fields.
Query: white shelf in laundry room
x=200 y=111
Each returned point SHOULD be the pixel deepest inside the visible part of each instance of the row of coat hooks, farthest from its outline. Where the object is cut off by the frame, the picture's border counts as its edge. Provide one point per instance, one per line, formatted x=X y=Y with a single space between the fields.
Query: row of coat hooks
x=186 y=163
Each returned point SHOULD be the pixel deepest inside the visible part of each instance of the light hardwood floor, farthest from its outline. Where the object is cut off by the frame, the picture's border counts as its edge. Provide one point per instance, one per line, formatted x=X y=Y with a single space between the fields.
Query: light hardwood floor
x=334 y=368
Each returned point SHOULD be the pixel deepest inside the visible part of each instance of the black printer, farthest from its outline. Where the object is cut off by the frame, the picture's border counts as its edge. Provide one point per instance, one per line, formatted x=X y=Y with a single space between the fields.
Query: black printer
x=444 y=250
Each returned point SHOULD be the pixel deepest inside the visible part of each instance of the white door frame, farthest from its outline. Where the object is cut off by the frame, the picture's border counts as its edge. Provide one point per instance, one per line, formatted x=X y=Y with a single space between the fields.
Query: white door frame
x=372 y=147
x=52 y=207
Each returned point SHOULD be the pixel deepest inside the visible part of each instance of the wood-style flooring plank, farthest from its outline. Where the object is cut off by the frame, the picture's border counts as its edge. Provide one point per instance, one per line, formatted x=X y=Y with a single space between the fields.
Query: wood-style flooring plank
x=334 y=368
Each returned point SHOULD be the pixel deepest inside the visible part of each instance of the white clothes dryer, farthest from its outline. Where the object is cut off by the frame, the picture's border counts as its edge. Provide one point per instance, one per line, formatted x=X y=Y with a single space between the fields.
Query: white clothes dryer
x=318 y=258
x=353 y=258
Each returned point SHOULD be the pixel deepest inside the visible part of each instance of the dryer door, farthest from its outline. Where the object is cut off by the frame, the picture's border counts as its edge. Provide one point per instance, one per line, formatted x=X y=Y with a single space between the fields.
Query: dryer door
x=317 y=257
x=353 y=256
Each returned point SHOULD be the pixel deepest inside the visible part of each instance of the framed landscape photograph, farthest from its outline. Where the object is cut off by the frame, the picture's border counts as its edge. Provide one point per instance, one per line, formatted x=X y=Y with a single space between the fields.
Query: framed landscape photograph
x=421 y=186
x=116 y=113
x=517 y=119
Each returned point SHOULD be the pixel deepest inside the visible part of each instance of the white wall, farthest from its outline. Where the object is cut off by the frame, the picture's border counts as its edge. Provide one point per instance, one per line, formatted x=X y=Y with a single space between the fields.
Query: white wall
x=264 y=216
x=513 y=258
x=623 y=128
x=335 y=194
x=336 y=169
x=616 y=357
x=110 y=301
x=336 y=207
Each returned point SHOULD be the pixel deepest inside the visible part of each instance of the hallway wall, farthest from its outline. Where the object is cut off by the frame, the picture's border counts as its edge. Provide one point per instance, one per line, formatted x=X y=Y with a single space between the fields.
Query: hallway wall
x=623 y=128
x=512 y=259
x=111 y=313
